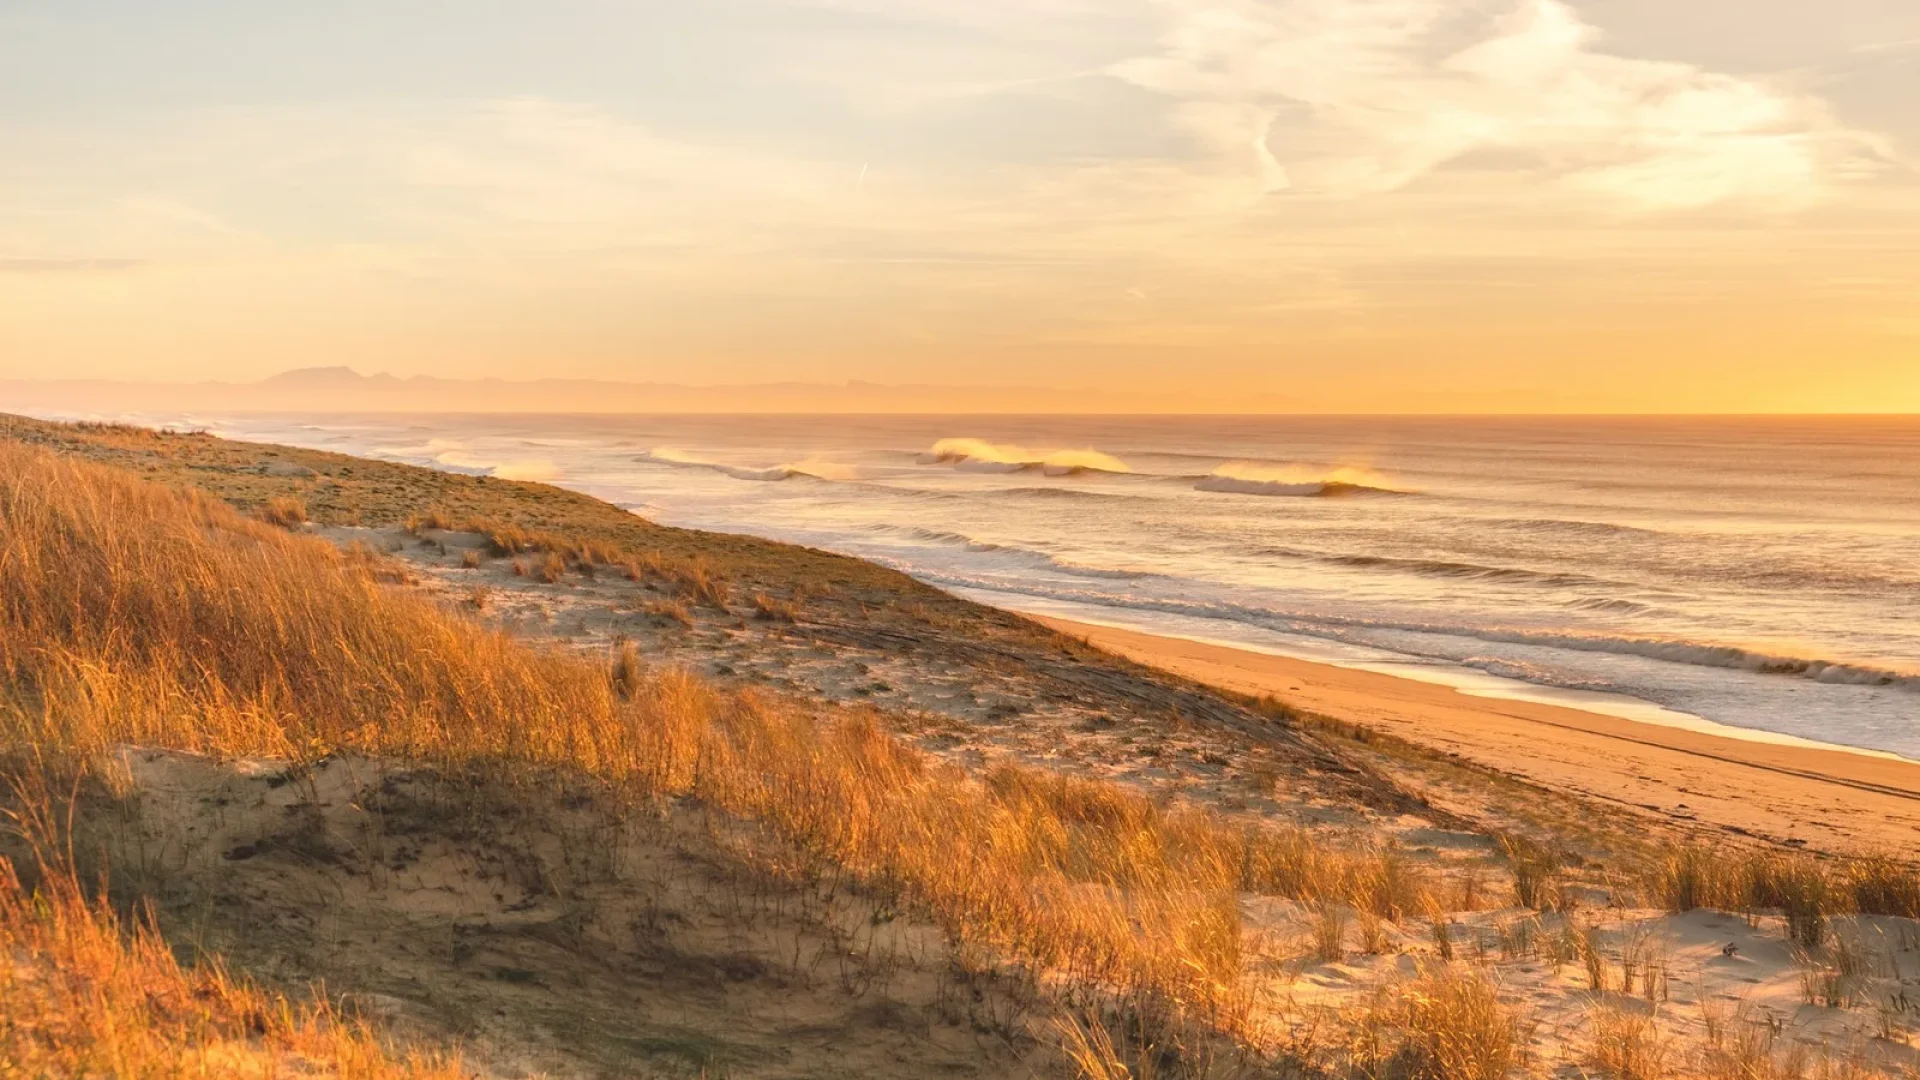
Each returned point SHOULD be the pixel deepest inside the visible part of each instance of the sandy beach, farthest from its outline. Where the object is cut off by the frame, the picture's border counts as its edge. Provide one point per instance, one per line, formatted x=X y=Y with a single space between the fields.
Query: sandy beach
x=1822 y=799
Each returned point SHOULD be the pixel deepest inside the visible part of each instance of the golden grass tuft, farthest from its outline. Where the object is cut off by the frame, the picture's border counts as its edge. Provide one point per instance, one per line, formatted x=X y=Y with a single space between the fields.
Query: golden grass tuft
x=1089 y=1049
x=1535 y=875
x=1742 y=1046
x=1456 y=1028
x=1593 y=958
x=1627 y=1045
x=1330 y=935
x=83 y=993
x=674 y=611
x=284 y=511
x=626 y=673
x=436 y=518
x=1805 y=889
x=771 y=609
x=702 y=583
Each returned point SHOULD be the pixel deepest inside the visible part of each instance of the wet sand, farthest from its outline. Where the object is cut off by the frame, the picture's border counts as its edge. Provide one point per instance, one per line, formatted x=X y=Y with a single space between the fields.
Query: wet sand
x=1820 y=799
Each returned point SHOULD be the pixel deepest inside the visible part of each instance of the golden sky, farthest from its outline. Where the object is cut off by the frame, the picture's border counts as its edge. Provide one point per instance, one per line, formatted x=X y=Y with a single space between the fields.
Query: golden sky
x=1349 y=205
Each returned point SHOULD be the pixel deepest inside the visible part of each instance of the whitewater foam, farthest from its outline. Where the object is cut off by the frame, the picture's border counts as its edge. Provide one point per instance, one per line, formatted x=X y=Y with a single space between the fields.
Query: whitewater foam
x=979 y=455
x=1031 y=556
x=1294 y=481
x=812 y=468
x=1343 y=627
x=460 y=456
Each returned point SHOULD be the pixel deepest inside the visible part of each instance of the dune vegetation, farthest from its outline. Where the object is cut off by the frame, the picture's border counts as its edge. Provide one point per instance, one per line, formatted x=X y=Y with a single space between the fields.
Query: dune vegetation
x=87 y=993
x=149 y=617
x=137 y=614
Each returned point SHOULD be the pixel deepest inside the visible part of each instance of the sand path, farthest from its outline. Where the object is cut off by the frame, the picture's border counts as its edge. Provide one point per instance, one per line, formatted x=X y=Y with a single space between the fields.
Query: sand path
x=1821 y=799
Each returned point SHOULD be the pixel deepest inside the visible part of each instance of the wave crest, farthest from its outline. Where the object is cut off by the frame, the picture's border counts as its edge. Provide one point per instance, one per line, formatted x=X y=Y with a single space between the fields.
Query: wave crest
x=453 y=456
x=979 y=455
x=811 y=468
x=1032 y=556
x=1300 y=481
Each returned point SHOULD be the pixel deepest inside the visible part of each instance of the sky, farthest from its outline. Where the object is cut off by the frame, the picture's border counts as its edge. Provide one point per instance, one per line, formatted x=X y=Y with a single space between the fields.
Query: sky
x=1333 y=205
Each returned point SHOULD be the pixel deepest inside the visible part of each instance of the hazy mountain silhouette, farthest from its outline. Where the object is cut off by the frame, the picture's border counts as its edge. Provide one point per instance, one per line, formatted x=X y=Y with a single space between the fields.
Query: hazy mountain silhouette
x=342 y=389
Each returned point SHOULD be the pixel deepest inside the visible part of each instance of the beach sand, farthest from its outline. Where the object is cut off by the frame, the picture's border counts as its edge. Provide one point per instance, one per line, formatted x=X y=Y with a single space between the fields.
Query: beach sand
x=1822 y=799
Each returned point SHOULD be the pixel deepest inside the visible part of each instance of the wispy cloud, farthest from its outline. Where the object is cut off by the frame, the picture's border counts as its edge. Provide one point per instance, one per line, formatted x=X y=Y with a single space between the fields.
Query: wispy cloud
x=18 y=265
x=1351 y=97
x=1909 y=45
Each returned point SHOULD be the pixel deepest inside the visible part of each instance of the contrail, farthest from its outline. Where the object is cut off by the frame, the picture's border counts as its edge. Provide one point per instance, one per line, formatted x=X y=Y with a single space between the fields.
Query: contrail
x=863 y=176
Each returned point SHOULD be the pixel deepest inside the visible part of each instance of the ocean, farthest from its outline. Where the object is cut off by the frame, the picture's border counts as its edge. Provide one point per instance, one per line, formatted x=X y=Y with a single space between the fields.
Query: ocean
x=1759 y=575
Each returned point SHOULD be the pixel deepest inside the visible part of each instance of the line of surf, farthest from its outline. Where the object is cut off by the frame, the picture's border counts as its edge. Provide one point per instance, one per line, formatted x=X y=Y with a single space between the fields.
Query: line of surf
x=1830 y=671
x=812 y=468
x=1233 y=477
x=1462 y=678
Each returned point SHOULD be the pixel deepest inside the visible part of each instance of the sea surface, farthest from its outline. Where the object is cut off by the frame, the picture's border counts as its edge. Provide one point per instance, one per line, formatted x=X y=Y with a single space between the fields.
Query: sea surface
x=1761 y=574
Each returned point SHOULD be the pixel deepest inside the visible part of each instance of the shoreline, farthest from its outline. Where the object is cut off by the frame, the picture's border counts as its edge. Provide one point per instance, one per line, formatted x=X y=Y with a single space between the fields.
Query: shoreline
x=1795 y=795
x=1466 y=680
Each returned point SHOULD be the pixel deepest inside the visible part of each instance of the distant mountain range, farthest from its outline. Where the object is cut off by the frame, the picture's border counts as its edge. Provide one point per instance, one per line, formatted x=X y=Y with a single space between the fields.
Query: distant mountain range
x=341 y=389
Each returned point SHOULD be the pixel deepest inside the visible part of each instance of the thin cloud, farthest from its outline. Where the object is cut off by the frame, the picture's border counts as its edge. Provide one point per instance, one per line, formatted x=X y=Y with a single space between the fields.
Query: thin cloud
x=1352 y=97
x=1909 y=45
x=14 y=265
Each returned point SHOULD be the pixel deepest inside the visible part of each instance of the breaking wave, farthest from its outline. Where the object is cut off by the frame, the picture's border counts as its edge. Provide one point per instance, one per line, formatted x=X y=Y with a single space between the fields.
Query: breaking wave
x=1459 y=570
x=1611 y=605
x=1701 y=654
x=458 y=456
x=1031 y=556
x=540 y=470
x=1061 y=494
x=979 y=455
x=1568 y=527
x=811 y=468
x=933 y=536
x=1299 y=481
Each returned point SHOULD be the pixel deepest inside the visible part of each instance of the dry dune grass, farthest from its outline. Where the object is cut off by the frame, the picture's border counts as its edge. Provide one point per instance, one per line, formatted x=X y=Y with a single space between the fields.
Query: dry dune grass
x=286 y=512
x=333 y=489
x=1458 y=1028
x=146 y=616
x=84 y=994
x=1627 y=1045
x=1805 y=889
x=136 y=614
x=696 y=576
